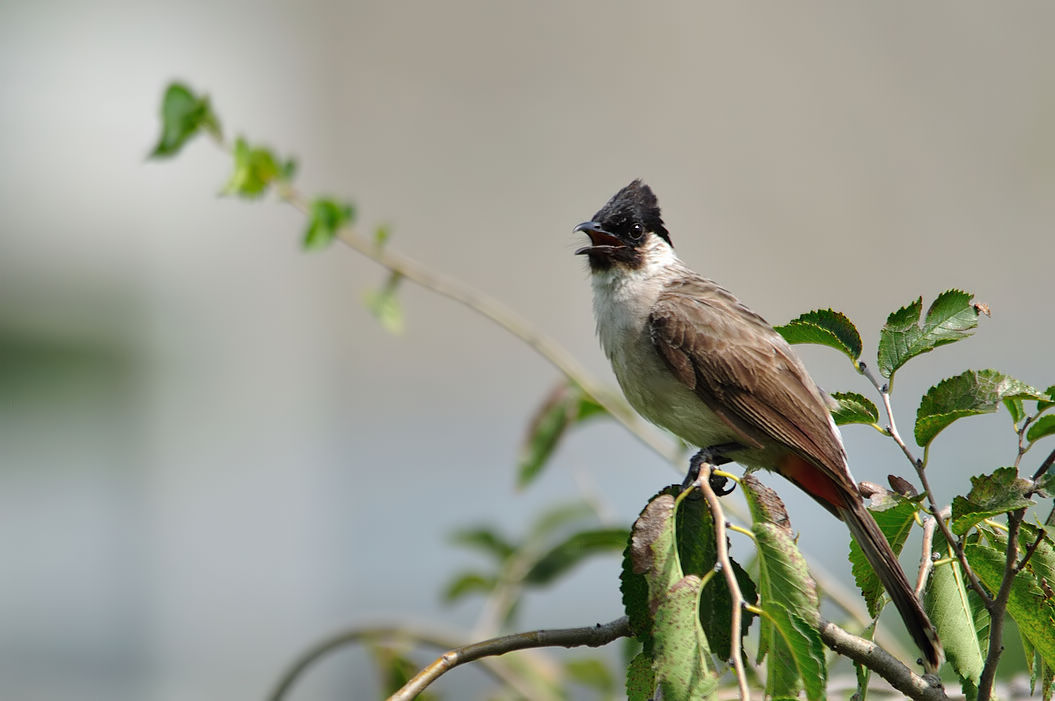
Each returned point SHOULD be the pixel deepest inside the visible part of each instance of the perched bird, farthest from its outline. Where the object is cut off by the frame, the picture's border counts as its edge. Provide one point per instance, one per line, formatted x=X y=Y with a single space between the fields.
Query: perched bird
x=691 y=358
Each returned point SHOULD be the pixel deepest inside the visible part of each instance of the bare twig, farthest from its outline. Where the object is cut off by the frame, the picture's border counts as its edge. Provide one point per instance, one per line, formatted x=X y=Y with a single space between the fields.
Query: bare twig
x=926 y=562
x=875 y=658
x=738 y=601
x=1044 y=466
x=593 y=636
x=998 y=606
x=404 y=633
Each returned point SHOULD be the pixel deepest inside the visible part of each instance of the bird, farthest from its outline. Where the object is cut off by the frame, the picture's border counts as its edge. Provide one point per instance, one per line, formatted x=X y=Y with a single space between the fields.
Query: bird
x=693 y=359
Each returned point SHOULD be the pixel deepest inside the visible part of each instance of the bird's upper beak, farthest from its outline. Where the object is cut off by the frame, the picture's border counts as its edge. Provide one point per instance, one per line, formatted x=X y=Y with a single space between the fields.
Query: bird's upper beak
x=600 y=239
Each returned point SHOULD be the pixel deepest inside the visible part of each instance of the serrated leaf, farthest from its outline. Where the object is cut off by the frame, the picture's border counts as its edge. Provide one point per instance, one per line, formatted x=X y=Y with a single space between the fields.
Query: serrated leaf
x=896 y=524
x=468 y=583
x=968 y=394
x=254 y=170
x=485 y=540
x=796 y=659
x=183 y=115
x=1028 y=604
x=787 y=594
x=592 y=673
x=824 y=327
x=326 y=218
x=947 y=604
x=950 y=318
x=576 y=548
x=640 y=679
x=854 y=409
x=1044 y=426
x=385 y=306
x=680 y=652
x=990 y=495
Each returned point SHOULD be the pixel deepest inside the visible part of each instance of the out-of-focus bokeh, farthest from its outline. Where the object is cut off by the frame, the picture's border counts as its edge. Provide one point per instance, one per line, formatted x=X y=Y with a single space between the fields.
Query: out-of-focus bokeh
x=211 y=455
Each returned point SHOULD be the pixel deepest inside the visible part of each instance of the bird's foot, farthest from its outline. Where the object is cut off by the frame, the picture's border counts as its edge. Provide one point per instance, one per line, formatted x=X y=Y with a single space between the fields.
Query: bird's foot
x=713 y=455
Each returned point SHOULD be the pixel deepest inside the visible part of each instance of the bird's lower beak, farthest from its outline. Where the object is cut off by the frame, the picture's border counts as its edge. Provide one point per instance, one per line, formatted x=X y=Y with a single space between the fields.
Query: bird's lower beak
x=600 y=239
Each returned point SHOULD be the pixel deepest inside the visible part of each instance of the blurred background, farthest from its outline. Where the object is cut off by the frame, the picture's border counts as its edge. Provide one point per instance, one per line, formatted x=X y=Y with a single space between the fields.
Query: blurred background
x=210 y=453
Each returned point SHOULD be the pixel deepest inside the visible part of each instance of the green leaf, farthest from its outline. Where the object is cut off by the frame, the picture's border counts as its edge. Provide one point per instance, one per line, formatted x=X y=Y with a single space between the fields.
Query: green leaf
x=950 y=318
x=789 y=599
x=468 y=583
x=1029 y=605
x=1044 y=426
x=854 y=409
x=640 y=679
x=1048 y=401
x=575 y=549
x=1016 y=409
x=485 y=540
x=947 y=603
x=326 y=219
x=896 y=523
x=990 y=495
x=183 y=115
x=824 y=327
x=564 y=406
x=592 y=673
x=385 y=306
x=254 y=170
x=799 y=655
x=971 y=393
x=381 y=235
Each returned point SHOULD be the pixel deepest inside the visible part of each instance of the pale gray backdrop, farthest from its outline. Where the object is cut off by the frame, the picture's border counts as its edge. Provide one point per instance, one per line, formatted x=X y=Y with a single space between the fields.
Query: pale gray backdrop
x=210 y=454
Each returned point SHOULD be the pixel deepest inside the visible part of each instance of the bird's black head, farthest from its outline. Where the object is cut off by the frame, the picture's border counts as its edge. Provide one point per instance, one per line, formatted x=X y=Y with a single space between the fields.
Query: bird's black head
x=620 y=229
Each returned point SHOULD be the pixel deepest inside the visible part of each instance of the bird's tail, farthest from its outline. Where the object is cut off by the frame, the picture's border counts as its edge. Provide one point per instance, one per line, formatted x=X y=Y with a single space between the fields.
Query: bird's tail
x=877 y=550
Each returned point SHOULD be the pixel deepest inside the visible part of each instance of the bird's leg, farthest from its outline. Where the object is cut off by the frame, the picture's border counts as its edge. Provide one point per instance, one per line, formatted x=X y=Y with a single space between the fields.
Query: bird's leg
x=712 y=455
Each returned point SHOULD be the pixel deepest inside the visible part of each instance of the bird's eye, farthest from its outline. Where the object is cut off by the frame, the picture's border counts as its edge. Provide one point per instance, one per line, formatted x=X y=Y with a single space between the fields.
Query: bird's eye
x=637 y=231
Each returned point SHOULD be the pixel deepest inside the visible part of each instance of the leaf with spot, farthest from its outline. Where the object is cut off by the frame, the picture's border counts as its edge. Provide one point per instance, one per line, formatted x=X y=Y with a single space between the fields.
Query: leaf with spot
x=824 y=327
x=640 y=679
x=853 y=408
x=788 y=597
x=183 y=115
x=968 y=394
x=950 y=318
x=990 y=495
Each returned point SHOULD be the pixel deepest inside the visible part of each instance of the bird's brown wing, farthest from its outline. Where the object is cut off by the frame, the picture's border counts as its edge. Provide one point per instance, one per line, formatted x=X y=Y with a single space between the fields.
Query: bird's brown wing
x=745 y=372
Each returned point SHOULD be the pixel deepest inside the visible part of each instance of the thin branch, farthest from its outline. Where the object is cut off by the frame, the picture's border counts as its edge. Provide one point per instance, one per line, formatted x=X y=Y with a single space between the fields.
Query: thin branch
x=428 y=638
x=875 y=658
x=593 y=636
x=998 y=607
x=1041 y=534
x=1044 y=466
x=926 y=562
x=738 y=601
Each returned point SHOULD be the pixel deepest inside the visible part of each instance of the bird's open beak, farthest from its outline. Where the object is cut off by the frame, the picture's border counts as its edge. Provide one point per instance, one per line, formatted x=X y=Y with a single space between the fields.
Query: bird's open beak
x=600 y=239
